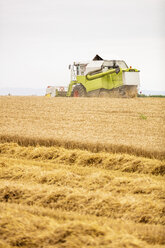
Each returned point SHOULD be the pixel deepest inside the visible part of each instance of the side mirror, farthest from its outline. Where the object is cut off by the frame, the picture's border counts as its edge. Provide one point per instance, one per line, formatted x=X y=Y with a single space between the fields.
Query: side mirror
x=69 y=67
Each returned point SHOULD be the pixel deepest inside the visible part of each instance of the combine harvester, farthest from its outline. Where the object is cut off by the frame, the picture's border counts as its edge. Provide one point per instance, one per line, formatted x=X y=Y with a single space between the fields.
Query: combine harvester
x=99 y=78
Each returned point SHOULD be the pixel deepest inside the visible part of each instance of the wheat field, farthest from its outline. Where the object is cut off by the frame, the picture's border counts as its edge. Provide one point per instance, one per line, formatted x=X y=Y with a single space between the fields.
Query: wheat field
x=134 y=126
x=82 y=173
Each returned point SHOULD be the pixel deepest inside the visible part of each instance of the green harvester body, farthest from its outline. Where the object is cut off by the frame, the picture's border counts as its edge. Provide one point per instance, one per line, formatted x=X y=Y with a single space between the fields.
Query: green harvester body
x=105 y=80
x=100 y=78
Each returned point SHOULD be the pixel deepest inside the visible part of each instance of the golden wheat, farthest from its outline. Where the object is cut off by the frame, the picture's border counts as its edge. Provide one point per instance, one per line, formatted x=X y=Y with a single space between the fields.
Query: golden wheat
x=55 y=197
x=106 y=190
x=115 y=125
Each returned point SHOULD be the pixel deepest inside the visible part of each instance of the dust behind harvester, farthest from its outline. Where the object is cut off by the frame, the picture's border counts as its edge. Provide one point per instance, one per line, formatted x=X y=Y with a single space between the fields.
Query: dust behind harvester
x=99 y=78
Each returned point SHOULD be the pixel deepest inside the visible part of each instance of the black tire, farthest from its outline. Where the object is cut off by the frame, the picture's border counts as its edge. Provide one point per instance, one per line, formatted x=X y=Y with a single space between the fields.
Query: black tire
x=79 y=91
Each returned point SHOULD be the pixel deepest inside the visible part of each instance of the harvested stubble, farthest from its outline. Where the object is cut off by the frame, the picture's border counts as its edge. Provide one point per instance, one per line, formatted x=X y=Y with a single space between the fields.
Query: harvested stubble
x=55 y=197
x=113 y=125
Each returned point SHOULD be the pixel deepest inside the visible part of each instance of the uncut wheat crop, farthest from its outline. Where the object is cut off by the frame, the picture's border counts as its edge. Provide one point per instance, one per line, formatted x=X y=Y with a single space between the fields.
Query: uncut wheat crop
x=134 y=126
x=82 y=173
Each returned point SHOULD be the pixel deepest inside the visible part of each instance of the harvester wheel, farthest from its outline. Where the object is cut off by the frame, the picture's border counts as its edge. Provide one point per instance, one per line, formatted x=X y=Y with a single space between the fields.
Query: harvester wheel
x=79 y=91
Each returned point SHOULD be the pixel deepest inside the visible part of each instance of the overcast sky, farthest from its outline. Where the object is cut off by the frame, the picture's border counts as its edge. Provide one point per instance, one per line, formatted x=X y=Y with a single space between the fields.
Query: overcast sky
x=40 y=38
